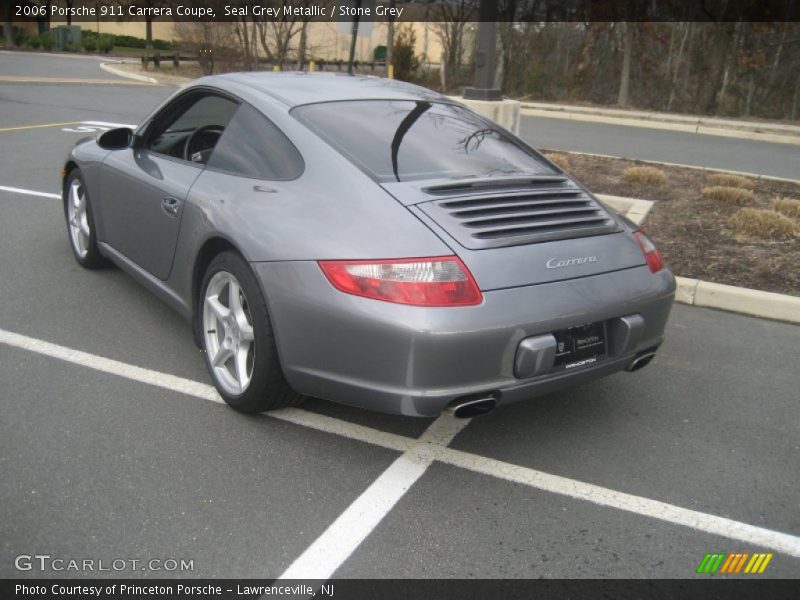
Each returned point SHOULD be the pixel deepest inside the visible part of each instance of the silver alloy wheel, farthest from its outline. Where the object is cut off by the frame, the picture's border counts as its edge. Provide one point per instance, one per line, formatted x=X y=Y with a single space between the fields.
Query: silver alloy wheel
x=79 y=232
x=228 y=333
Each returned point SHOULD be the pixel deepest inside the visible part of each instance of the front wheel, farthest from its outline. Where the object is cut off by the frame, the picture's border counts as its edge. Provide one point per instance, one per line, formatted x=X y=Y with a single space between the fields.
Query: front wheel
x=80 y=224
x=238 y=340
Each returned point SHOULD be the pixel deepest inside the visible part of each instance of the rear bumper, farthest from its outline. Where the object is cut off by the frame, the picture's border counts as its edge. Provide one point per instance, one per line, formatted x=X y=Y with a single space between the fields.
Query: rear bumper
x=415 y=361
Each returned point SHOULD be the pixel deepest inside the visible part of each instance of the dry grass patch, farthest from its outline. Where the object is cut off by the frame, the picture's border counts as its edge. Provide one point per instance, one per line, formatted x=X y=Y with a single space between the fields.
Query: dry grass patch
x=787 y=206
x=763 y=224
x=727 y=180
x=560 y=159
x=728 y=194
x=645 y=176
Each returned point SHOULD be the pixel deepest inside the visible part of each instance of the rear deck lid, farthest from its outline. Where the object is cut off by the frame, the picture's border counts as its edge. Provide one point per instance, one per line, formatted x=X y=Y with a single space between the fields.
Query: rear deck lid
x=494 y=213
x=513 y=232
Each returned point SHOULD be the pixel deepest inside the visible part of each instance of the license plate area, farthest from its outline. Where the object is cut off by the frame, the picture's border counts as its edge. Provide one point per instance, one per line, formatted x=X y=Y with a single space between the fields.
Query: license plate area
x=580 y=346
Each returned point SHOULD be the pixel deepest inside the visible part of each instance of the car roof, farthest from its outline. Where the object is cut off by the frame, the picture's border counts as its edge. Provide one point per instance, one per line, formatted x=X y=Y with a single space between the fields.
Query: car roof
x=296 y=88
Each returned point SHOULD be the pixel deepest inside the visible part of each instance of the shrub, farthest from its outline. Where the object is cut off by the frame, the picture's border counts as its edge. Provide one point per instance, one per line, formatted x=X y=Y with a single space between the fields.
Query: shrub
x=33 y=42
x=559 y=159
x=72 y=47
x=787 y=206
x=89 y=43
x=128 y=40
x=105 y=43
x=405 y=61
x=163 y=45
x=47 y=40
x=728 y=194
x=763 y=224
x=18 y=36
x=727 y=180
x=645 y=176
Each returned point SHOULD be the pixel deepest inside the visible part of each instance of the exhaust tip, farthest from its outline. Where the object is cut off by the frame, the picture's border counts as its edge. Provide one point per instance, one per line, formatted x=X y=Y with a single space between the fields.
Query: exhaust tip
x=640 y=361
x=466 y=408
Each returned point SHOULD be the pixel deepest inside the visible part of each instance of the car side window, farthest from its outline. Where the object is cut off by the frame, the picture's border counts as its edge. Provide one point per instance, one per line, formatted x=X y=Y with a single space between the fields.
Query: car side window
x=191 y=129
x=252 y=146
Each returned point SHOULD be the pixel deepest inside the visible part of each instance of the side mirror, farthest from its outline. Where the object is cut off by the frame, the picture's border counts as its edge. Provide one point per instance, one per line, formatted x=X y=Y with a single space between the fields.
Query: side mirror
x=116 y=139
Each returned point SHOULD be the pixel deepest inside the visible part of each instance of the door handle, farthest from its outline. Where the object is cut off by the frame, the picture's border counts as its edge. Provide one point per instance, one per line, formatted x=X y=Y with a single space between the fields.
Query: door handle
x=171 y=206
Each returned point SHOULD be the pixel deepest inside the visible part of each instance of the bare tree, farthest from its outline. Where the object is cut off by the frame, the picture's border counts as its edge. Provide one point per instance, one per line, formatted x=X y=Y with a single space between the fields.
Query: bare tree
x=277 y=35
x=215 y=44
x=246 y=33
x=450 y=24
x=8 y=28
x=727 y=68
x=672 y=73
x=625 y=72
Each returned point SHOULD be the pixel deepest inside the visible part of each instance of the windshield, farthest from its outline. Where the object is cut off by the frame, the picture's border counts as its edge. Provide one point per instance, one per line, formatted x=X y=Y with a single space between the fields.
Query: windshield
x=404 y=140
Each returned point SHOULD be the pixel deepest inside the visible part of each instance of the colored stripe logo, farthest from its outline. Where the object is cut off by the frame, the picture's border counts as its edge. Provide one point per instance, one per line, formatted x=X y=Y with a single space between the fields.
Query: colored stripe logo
x=734 y=563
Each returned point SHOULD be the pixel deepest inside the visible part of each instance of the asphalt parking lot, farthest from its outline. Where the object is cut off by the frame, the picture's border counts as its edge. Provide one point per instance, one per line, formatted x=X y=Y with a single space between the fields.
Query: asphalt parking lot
x=113 y=445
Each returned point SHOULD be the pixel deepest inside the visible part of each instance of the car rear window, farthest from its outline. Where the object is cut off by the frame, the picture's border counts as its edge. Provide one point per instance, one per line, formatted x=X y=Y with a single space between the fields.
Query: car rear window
x=406 y=140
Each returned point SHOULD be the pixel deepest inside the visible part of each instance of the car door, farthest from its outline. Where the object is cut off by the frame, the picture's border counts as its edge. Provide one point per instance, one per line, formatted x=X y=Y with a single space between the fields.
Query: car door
x=248 y=183
x=144 y=188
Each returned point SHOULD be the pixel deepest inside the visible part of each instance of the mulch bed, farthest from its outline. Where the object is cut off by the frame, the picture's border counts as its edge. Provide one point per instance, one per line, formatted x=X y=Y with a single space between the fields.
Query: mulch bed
x=693 y=233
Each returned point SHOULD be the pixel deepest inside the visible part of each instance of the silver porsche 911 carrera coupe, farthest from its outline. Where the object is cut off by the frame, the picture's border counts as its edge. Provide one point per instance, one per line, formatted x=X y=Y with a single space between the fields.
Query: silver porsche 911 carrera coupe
x=366 y=241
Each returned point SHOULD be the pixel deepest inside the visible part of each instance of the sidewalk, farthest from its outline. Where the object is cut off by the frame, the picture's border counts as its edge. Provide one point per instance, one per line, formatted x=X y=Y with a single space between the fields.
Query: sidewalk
x=756 y=130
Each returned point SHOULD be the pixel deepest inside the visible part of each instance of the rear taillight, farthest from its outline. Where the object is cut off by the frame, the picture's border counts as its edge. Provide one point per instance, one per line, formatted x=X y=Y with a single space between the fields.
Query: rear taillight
x=437 y=281
x=651 y=254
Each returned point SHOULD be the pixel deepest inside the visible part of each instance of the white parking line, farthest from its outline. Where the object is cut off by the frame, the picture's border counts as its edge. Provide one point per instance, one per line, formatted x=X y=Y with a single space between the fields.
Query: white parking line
x=329 y=551
x=431 y=446
x=95 y=127
x=676 y=515
x=15 y=190
x=203 y=390
x=109 y=125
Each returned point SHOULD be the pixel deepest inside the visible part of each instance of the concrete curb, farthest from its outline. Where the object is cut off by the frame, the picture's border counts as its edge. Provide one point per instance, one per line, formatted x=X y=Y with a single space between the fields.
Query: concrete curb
x=650 y=115
x=632 y=208
x=765 y=132
x=755 y=176
x=120 y=73
x=505 y=112
x=756 y=303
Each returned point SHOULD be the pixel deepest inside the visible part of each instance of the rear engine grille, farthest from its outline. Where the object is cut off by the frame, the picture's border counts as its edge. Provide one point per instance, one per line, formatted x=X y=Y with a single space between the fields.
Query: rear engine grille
x=521 y=217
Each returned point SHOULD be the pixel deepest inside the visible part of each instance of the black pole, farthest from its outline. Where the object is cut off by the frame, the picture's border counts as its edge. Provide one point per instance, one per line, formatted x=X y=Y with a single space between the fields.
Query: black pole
x=353 y=38
x=483 y=88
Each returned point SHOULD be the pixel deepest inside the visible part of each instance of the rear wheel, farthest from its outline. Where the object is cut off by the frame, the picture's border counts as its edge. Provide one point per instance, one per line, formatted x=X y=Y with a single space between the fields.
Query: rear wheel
x=238 y=340
x=80 y=224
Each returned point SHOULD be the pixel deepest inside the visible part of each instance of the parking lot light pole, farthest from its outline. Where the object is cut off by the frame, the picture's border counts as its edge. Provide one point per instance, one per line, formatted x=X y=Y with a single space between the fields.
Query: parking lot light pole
x=483 y=88
x=353 y=38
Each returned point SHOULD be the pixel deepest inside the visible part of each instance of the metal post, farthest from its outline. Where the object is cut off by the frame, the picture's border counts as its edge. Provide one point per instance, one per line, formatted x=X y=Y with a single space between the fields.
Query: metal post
x=483 y=88
x=353 y=39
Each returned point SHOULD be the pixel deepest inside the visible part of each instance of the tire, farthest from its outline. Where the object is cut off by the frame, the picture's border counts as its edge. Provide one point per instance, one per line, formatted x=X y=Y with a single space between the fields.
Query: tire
x=80 y=223
x=238 y=340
